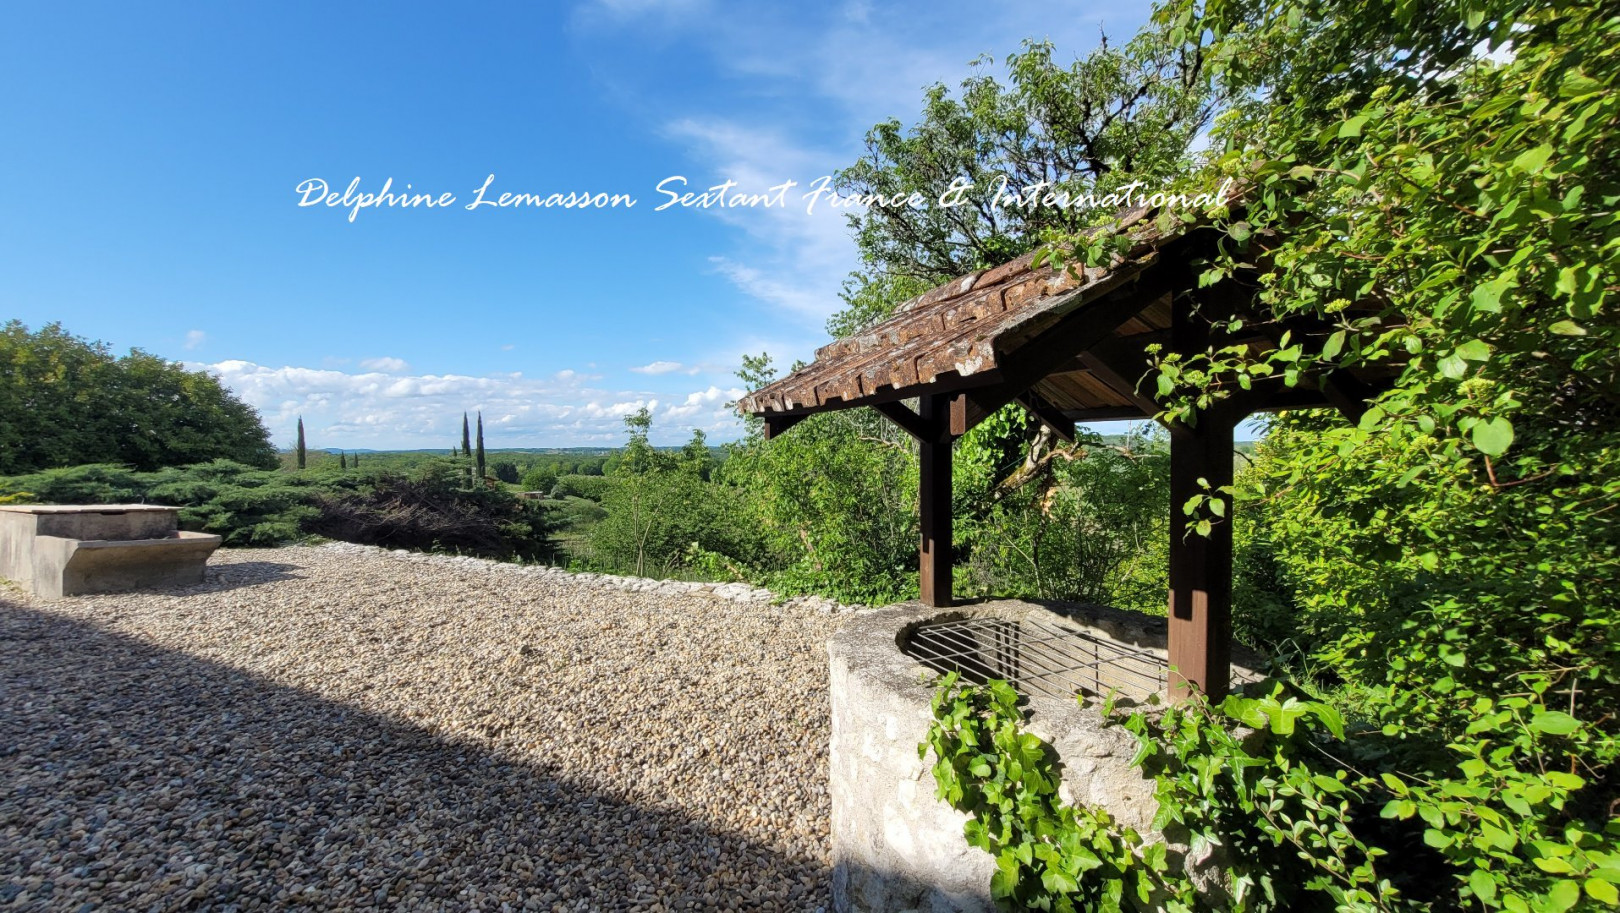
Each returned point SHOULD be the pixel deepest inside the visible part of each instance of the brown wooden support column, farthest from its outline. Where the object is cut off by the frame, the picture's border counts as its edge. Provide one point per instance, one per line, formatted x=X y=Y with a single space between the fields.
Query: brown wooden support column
x=1201 y=566
x=934 y=552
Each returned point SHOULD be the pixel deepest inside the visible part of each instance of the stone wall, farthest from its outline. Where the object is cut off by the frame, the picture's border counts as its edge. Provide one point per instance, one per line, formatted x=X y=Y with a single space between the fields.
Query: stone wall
x=895 y=846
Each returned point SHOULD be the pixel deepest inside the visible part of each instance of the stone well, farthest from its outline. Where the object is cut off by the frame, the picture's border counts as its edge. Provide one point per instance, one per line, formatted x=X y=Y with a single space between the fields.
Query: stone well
x=898 y=848
x=65 y=549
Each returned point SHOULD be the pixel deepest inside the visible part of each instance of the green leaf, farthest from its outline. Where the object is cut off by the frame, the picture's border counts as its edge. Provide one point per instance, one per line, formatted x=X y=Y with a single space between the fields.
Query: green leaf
x=1533 y=160
x=1058 y=881
x=1452 y=367
x=1352 y=127
x=1564 y=894
x=1483 y=884
x=1602 y=891
x=1567 y=328
x=1493 y=437
x=1487 y=296
x=1554 y=722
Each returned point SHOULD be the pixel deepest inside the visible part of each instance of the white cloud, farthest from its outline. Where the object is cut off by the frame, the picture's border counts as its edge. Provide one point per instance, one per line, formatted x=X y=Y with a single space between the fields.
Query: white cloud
x=343 y=409
x=848 y=66
x=385 y=364
x=798 y=259
x=195 y=338
x=665 y=367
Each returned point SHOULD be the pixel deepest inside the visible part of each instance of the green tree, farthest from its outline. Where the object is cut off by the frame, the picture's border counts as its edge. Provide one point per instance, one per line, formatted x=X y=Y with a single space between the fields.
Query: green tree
x=696 y=457
x=478 y=457
x=663 y=517
x=300 y=446
x=1117 y=115
x=343 y=462
x=540 y=478
x=65 y=401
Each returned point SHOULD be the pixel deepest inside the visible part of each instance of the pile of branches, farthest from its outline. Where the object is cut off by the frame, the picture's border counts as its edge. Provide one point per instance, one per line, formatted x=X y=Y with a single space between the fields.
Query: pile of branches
x=425 y=514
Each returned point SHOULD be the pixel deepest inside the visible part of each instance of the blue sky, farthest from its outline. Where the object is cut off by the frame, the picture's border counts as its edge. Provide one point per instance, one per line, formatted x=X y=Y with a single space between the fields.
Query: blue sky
x=151 y=154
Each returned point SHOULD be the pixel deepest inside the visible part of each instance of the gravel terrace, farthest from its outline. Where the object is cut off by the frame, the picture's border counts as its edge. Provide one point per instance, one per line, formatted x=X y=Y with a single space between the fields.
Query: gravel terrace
x=343 y=727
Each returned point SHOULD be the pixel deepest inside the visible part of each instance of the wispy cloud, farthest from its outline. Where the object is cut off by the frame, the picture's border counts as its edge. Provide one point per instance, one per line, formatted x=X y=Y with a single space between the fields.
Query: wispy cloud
x=848 y=66
x=665 y=367
x=795 y=260
x=195 y=338
x=386 y=364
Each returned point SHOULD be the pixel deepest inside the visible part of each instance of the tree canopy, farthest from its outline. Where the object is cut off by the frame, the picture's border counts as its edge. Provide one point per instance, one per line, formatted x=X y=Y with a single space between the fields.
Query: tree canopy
x=66 y=401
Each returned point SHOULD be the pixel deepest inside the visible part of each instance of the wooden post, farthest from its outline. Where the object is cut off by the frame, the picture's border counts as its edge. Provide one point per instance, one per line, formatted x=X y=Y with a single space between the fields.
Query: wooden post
x=934 y=552
x=1200 y=566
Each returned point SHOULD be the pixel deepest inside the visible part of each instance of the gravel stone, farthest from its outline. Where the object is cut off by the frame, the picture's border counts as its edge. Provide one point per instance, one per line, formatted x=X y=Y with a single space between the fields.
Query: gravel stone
x=348 y=727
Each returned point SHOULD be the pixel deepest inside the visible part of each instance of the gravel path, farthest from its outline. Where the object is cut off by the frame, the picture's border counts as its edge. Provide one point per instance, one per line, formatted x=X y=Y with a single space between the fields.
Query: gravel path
x=342 y=727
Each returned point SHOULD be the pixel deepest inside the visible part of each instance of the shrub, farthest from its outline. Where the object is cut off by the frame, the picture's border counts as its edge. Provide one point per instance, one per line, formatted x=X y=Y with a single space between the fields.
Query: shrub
x=432 y=510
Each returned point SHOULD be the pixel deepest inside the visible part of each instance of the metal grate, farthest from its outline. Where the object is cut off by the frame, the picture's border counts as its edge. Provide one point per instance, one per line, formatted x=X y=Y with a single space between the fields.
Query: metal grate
x=1036 y=657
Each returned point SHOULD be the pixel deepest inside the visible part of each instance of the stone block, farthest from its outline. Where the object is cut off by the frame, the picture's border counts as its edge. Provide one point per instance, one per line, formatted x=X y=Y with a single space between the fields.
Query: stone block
x=64 y=550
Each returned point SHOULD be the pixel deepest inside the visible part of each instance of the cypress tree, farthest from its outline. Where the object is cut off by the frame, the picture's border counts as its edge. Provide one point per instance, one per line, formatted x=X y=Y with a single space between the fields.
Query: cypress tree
x=354 y=461
x=480 y=457
x=300 y=442
x=466 y=437
x=343 y=462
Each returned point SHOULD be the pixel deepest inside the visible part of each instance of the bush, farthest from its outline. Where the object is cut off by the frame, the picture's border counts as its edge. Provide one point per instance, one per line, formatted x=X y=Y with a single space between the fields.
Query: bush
x=541 y=478
x=591 y=487
x=835 y=506
x=1097 y=531
x=430 y=508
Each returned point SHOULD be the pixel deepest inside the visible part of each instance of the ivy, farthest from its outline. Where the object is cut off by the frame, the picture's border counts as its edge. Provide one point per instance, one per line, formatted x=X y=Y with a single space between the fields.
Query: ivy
x=1433 y=190
x=1268 y=786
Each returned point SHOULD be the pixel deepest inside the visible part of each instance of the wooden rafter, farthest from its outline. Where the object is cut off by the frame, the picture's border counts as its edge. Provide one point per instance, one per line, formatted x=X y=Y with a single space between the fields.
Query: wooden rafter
x=908 y=421
x=1061 y=425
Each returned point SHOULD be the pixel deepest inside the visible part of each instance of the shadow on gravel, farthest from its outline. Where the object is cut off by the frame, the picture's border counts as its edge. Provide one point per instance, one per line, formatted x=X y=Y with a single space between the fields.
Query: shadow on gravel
x=140 y=778
x=222 y=577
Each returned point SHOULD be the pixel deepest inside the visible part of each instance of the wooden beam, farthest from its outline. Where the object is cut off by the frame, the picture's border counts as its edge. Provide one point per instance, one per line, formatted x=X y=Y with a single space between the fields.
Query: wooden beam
x=967 y=410
x=1200 y=566
x=1106 y=414
x=1111 y=374
x=776 y=424
x=934 y=501
x=1061 y=425
x=909 y=422
x=1076 y=332
x=1342 y=389
x=1347 y=394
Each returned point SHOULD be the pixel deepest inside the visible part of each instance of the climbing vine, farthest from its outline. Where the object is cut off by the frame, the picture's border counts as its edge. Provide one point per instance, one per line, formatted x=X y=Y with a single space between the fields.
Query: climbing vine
x=1267 y=792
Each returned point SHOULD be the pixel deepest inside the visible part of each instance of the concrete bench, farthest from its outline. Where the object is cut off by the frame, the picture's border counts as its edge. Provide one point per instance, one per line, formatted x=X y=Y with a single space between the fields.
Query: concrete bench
x=66 y=549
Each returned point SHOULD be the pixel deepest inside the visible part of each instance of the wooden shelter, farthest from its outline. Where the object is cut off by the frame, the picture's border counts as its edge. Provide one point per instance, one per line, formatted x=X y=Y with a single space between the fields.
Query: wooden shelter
x=1072 y=347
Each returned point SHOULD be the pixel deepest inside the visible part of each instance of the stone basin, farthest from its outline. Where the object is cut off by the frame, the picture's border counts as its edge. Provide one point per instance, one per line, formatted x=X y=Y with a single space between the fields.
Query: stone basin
x=58 y=550
x=895 y=846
